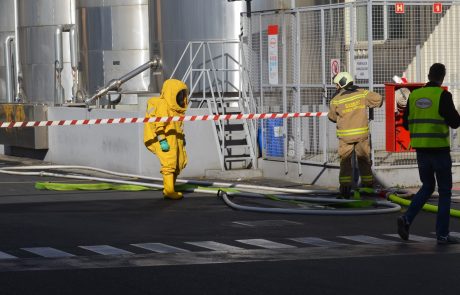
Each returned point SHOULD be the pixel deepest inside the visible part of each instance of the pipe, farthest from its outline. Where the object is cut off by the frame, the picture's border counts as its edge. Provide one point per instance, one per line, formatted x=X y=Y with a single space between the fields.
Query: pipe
x=9 y=69
x=392 y=207
x=155 y=63
x=197 y=182
x=74 y=61
x=427 y=207
x=18 y=69
x=58 y=67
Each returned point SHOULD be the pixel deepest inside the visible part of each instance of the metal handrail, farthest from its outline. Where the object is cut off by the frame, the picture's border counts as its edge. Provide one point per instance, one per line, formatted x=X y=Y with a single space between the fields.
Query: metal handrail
x=114 y=85
x=208 y=74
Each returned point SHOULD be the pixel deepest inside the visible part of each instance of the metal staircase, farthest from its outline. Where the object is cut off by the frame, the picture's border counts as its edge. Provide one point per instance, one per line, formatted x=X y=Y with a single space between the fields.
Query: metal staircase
x=210 y=72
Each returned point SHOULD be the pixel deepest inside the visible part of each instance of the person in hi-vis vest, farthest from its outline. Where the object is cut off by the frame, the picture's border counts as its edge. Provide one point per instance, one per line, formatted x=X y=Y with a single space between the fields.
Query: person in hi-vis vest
x=429 y=114
x=167 y=139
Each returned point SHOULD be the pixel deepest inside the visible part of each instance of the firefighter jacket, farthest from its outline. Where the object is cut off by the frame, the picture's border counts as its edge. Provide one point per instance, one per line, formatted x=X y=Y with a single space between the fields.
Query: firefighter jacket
x=348 y=108
x=428 y=128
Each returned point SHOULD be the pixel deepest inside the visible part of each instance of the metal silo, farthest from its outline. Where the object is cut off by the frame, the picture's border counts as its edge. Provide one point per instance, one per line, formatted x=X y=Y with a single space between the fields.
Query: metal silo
x=6 y=42
x=45 y=32
x=174 y=23
x=114 y=39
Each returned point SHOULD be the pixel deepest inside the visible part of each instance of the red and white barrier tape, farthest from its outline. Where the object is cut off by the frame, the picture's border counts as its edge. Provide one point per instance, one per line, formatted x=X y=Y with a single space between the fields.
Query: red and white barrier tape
x=159 y=119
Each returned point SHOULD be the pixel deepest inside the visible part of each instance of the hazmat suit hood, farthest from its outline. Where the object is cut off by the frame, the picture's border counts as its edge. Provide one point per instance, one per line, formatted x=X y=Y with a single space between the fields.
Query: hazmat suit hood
x=174 y=91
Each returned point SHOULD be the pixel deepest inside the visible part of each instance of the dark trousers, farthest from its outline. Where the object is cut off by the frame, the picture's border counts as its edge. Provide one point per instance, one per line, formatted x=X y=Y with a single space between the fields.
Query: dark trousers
x=434 y=167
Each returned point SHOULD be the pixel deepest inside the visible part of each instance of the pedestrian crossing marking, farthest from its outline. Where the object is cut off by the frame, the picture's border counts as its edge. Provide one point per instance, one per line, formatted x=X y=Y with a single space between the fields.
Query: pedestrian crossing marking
x=48 y=252
x=4 y=255
x=454 y=234
x=266 y=244
x=317 y=242
x=369 y=240
x=106 y=250
x=215 y=246
x=412 y=237
x=160 y=248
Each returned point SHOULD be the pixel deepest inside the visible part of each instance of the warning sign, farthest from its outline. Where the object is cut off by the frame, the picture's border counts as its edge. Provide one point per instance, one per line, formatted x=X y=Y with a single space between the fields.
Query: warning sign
x=399 y=7
x=273 y=54
x=437 y=8
x=335 y=67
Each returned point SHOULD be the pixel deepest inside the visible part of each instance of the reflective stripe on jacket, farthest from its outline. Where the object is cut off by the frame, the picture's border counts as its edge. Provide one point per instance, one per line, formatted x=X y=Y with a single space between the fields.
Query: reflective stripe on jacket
x=348 y=109
x=427 y=127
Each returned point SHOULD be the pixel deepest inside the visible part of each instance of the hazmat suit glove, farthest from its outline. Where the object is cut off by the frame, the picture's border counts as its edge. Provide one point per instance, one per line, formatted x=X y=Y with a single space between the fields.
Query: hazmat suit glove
x=164 y=145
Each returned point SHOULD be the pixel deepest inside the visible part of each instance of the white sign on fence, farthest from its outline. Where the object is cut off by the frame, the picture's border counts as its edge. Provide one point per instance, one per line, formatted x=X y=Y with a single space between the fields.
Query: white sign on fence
x=362 y=69
x=273 y=54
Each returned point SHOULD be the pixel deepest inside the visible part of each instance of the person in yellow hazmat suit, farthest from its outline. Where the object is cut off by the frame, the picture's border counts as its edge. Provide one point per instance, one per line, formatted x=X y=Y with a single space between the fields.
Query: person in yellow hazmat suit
x=167 y=139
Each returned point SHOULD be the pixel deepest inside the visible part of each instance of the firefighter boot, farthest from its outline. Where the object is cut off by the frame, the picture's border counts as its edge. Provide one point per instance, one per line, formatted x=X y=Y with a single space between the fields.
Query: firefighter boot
x=168 y=191
x=345 y=191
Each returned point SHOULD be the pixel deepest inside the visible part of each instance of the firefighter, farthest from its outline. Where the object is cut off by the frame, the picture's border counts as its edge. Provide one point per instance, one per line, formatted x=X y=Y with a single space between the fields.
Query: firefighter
x=348 y=109
x=167 y=139
x=429 y=114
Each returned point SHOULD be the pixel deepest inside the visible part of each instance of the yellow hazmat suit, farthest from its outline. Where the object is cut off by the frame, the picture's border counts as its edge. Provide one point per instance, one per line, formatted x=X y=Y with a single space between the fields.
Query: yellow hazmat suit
x=172 y=102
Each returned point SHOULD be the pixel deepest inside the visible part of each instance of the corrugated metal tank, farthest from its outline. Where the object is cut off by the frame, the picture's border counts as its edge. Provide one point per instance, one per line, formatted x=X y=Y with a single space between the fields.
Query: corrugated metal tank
x=38 y=21
x=114 y=39
x=6 y=29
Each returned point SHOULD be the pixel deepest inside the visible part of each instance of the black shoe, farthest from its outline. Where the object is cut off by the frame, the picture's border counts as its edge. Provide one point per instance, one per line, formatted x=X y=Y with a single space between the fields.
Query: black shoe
x=403 y=228
x=448 y=240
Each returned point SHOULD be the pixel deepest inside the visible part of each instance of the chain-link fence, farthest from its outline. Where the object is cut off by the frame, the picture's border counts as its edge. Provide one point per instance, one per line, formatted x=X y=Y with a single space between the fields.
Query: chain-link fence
x=293 y=55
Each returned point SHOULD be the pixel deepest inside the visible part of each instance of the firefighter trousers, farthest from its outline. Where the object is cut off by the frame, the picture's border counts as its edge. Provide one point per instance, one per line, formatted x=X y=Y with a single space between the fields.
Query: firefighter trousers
x=363 y=156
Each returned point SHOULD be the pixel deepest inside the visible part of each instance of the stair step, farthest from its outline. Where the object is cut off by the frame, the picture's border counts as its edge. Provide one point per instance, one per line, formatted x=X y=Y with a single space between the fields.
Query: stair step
x=234 y=127
x=237 y=158
x=236 y=142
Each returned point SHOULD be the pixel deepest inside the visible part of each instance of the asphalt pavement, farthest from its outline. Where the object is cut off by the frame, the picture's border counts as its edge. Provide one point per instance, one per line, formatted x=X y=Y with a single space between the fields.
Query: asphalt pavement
x=115 y=242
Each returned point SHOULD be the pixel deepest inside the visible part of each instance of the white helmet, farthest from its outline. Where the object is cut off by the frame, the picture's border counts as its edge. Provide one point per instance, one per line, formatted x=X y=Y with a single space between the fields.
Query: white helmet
x=343 y=79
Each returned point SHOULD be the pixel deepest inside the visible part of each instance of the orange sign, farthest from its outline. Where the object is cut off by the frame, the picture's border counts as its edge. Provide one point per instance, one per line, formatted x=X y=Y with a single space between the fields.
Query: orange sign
x=437 y=8
x=399 y=7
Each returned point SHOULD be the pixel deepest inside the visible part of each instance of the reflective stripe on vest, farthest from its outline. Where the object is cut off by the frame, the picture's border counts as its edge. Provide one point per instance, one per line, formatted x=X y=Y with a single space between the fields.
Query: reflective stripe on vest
x=427 y=128
x=352 y=132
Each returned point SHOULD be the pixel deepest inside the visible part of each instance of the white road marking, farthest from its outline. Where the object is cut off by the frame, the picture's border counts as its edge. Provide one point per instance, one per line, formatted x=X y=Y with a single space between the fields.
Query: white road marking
x=413 y=238
x=215 y=246
x=4 y=255
x=48 y=252
x=317 y=242
x=106 y=250
x=160 y=248
x=369 y=240
x=266 y=244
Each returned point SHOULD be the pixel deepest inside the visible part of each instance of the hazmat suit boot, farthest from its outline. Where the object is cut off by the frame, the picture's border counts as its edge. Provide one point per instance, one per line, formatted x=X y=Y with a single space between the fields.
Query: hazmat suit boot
x=168 y=191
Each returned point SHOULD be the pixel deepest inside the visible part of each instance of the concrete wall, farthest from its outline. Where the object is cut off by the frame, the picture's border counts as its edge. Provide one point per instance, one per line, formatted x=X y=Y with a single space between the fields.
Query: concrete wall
x=120 y=147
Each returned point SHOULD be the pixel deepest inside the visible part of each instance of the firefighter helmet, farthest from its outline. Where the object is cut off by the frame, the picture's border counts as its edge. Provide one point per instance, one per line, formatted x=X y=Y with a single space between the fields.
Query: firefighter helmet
x=343 y=79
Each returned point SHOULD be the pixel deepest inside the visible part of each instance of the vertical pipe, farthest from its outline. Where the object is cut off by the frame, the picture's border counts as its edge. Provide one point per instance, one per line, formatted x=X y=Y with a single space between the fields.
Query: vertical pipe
x=284 y=87
x=58 y=67
x=261 y=81
x=370 y=58
x=298 y=140
x=352 y=39
x=323 y=77
x=370 y=45
x=18 y=69
x=418 y=64
x=74 y=60
x=9 y=69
